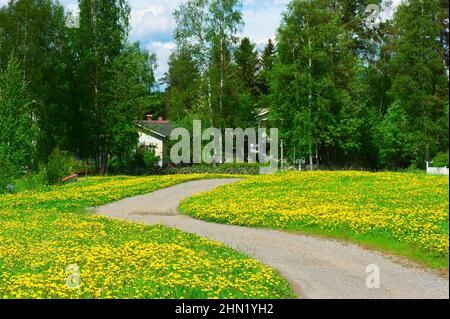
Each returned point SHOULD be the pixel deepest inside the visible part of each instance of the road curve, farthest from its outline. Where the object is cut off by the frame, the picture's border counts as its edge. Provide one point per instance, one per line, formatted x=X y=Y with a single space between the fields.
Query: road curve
x=316 y=268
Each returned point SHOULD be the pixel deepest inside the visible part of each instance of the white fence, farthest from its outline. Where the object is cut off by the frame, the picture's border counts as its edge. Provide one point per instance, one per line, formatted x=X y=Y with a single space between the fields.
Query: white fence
x=437 y=170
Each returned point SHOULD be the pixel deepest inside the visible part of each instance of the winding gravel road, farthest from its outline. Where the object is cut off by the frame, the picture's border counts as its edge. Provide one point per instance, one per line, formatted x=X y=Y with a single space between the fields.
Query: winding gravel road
x=316 y=268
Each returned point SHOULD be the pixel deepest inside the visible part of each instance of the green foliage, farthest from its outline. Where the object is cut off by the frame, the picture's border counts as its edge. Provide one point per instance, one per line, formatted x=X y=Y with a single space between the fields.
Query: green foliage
x=145 y=157
x=141 y=161
x=420 y=81
x=184 y=84
x=315 y=85
x=17 y=125
x=247 y=64
x=206 y=35
x=113 y=81
x=127 y=91
x=32 y=181
x=88 y=85
x=7 y=174
x=374 y=98
x=149 y=157
x=393 y=138
x=246 y=58
x=340 y=94
x=266 y=63
x=441 y=160
x=60 y=165
x=34 y=31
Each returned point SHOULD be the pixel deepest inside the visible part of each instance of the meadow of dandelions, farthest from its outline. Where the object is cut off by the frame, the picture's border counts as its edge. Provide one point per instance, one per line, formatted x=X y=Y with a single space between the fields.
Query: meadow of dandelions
x=386 y=209
x=43 y=233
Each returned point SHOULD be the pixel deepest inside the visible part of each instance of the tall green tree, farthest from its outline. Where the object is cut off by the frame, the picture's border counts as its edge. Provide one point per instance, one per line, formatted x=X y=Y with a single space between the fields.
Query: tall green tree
x=207 y=31
x=394 y=139
x=247 y=61
x=99 y=41
x=267 y=62
x=419 y=66
x=246 y=58
x=184 y=84
x=17 y=124
x=315 y=90
x=34 y=30
x=225 y=20
x=129 y=80
x=193 y=47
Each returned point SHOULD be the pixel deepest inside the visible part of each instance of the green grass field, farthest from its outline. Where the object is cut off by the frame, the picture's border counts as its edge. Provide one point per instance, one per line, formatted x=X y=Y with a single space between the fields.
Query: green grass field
x=43 y=232
x=402 y=214
x=47 y=238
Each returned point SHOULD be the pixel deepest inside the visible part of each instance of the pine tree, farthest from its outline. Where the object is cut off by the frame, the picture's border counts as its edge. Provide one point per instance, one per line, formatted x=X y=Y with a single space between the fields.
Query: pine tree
x=246 y=58
x=184 y=84
x=266 y=65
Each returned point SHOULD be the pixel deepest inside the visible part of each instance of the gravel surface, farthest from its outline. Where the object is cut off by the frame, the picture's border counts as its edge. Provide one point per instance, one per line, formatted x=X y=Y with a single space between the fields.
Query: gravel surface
x=316 y=268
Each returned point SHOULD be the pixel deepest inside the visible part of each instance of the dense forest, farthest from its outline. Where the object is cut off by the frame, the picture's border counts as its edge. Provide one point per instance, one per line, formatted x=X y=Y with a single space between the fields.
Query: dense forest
x=341 y=93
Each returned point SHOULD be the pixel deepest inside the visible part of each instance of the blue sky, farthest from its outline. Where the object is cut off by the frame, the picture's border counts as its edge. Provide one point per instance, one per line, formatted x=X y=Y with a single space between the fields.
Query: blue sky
x=152 y=23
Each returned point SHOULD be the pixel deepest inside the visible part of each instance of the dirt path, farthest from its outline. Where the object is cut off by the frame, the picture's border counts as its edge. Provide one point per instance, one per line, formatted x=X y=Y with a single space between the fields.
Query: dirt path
x=316 y=268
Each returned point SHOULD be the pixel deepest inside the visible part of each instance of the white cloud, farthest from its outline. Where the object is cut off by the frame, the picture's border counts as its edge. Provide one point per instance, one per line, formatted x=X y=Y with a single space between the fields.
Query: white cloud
x=152 y=24
x=261 y=23
x=162 y=51
x=153 y=19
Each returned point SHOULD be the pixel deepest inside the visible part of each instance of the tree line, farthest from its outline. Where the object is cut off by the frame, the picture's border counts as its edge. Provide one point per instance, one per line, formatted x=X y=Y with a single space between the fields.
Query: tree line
x=341 y=94
x=76 y=89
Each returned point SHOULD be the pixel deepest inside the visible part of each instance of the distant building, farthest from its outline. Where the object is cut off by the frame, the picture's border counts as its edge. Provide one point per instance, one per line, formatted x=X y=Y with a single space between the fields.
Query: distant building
x=156 y=133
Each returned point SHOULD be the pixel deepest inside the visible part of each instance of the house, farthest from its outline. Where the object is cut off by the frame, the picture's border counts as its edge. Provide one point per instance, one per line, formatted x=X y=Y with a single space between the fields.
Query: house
x=156 y=133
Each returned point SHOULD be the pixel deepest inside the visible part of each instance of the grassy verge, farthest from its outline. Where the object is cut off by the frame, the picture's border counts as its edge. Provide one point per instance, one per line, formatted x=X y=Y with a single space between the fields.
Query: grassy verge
x=403 y=214
x=43 y=232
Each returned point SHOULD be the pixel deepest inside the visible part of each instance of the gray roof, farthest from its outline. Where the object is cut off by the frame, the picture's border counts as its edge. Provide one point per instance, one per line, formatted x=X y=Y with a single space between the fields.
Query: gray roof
x=161 y=129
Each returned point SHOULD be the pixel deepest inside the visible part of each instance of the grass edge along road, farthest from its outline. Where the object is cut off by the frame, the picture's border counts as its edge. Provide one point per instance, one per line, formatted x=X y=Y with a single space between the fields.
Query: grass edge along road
x=402 y=214
x=42 y=233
